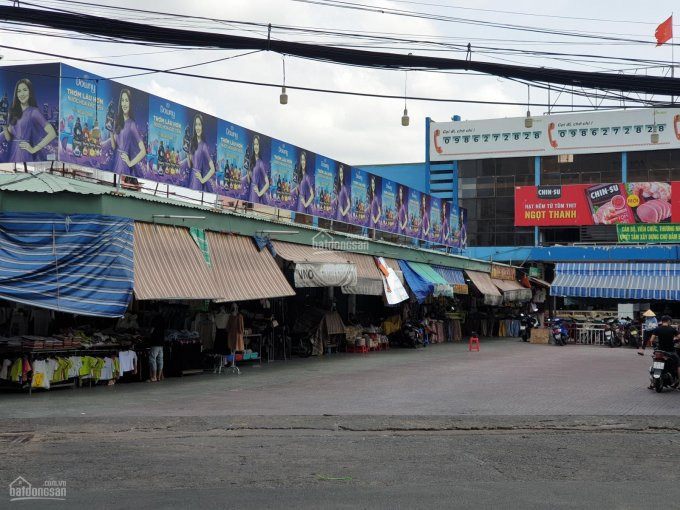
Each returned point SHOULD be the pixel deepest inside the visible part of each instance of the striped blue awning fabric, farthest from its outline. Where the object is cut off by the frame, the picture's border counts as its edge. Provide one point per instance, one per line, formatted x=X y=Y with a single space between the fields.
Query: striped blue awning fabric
x=654 y=281
x=453 y=276
x=81 y=264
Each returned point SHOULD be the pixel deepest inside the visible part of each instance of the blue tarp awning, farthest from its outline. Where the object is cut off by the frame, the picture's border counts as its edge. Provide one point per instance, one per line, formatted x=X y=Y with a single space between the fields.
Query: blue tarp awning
x=81 y=264
x=452 y=276
x=420 y=287
x=643 y=281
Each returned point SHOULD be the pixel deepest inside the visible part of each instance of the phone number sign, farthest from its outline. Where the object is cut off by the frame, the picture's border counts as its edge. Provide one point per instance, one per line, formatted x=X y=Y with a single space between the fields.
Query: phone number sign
x=573 y=133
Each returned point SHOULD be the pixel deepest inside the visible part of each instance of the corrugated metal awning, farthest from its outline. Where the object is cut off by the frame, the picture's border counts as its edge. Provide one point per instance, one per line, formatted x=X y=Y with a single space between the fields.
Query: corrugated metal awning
x=484 y=285
x=169 y=265
x=512 y=290
x=299 y=253
x=369 y=277
x=242 y=272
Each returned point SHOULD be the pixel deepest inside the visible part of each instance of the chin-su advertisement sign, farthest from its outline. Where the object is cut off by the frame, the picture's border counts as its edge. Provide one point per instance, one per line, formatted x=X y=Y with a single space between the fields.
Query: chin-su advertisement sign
x=597 y=204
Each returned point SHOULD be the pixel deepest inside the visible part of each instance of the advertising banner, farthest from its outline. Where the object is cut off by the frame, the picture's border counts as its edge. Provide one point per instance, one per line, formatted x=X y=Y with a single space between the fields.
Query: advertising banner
x=232 y=165
x=343 y=194
x=374 y=201
x=597 y=204
x=324 y=181
x=359 y=214
x=445 y=220
x=388 y=221
x=435 y=219
x=567 y=133
x=305 y=187
x=502 y=272
x=414 y=213
x=257 y=185
x=283 y=161
x=458 y=227
x=654 y=233
x=182 y=146
x=111 y=136
x=325 y=275
x=29 y=113
x=402 y=209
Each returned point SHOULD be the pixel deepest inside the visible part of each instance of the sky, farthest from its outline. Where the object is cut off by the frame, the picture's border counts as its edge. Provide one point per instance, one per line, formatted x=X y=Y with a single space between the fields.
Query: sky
x=361 y=130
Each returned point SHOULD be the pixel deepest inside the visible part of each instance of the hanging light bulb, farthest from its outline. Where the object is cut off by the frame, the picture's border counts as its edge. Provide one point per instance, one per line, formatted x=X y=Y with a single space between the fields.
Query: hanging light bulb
x=283 y=98
x=404 y=118
x=655 y=132
x=528 y=121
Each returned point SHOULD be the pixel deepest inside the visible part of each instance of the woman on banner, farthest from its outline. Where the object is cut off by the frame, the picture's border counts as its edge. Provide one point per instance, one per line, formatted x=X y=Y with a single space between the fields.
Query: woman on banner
x=27 y=131
x=342 y=193
x=425 y=218
x=201 y=164
x=446 y=229
x=305 y=191
x=259 y=180
x=402 y=212
x=125 y=140
x=374 y=210
x=462 y=229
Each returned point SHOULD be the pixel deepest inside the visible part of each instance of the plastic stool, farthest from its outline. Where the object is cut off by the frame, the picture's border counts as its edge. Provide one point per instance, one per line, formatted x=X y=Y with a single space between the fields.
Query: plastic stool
x=474 y=343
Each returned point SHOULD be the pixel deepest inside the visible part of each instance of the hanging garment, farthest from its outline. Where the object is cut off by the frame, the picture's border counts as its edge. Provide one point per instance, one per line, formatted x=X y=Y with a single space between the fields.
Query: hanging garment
x=235 y=330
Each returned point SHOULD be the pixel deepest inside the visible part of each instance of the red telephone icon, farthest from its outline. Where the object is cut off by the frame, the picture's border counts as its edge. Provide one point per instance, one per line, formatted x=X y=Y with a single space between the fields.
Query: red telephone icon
x=436 y=145
x=553 y=142
x=676 y=126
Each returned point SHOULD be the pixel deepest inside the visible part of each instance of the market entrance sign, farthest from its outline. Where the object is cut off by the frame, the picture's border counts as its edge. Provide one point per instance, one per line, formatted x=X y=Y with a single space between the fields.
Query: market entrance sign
x=641 y=234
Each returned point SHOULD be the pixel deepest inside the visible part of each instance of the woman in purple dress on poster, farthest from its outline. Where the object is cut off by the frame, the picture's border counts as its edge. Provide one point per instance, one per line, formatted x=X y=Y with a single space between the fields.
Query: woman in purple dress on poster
x=425 y=218
x=259 y=180
x=374 y=210
x=126 y=140
x=343 y=205
x=462 y=239
x=305 y=192
x=27 y=130
x=201 y=164
x=402 y=215
x=446 y=230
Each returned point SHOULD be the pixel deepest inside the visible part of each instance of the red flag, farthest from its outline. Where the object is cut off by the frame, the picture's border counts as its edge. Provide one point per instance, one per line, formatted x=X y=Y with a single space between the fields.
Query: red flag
x=664 y=31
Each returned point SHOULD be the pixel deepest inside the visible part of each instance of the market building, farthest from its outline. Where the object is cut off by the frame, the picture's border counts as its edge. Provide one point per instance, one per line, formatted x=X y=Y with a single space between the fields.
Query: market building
x=133 y=215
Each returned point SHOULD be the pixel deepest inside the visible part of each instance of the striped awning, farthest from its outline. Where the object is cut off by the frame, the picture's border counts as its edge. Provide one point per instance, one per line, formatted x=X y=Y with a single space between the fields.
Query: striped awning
x=170 y=265
x=369 y=277
x=80 y=264
x=513 y=291
x=484 y=285
x=660 y=281
x=394 y=264
x=241 y=272
x=454 y=277
x=441 y=286
x=316 y=267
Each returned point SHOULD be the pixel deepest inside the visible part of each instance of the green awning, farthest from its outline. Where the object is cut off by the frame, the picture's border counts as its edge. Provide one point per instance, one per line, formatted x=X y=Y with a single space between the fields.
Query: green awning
x=441 y=286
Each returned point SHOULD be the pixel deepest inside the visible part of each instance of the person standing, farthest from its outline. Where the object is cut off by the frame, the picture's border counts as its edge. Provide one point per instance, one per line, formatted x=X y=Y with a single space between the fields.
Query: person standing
x=647 y=327
x=157 y=342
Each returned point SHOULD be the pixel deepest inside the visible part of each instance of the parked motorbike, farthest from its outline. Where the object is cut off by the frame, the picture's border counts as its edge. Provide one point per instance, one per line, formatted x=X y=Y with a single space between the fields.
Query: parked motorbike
x=558 y=331
x=526 y=324
x=410 y=335
x=610 y=337
x=663 y=372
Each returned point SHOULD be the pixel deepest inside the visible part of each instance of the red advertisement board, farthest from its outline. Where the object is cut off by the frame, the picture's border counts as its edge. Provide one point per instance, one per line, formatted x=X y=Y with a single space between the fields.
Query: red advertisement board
x=597 y=204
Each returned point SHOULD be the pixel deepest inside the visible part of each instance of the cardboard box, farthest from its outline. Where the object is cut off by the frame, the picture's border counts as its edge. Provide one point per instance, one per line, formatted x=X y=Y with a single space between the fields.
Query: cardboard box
x=540 y=336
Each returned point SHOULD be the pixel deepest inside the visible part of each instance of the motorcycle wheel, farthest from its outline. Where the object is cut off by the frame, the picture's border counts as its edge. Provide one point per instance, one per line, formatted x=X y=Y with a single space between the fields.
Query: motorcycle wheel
x=658 y=385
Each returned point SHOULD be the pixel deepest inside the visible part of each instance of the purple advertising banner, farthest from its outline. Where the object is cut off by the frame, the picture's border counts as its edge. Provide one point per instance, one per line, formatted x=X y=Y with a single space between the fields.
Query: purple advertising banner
x=54 y=112
x=325 y=171
x=29 y=113
x=304 y=178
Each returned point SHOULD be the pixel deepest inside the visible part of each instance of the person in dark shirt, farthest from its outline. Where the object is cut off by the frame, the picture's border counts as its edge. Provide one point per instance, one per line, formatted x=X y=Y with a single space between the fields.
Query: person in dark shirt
x=666 y=335
x=156 y=341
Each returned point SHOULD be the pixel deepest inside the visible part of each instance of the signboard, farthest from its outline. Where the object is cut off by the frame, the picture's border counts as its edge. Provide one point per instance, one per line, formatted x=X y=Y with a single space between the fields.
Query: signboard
x=57 y=112
x=460 y=288
x=655 y=233
x=325 y=275
x=570 y=133
x=597 y=204
x=502 y=272
x=29 y=113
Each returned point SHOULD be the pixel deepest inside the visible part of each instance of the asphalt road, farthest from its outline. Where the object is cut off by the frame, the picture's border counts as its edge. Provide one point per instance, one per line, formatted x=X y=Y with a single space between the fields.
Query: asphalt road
x=514 y=426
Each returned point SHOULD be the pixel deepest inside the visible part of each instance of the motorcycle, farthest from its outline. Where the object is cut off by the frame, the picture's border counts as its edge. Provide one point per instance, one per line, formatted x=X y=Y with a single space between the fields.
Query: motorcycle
x=410 y=335
x=526 y=324
x=558 y=332
x=610 y=336
x=663 y=372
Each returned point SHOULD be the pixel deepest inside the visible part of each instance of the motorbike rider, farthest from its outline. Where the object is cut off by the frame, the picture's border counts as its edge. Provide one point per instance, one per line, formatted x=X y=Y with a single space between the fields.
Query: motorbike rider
x=666 y=335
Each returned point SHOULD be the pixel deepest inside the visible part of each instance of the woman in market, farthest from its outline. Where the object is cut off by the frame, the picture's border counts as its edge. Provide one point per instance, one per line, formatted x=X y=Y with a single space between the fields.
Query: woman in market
x=27 y=130
x=157 y=342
